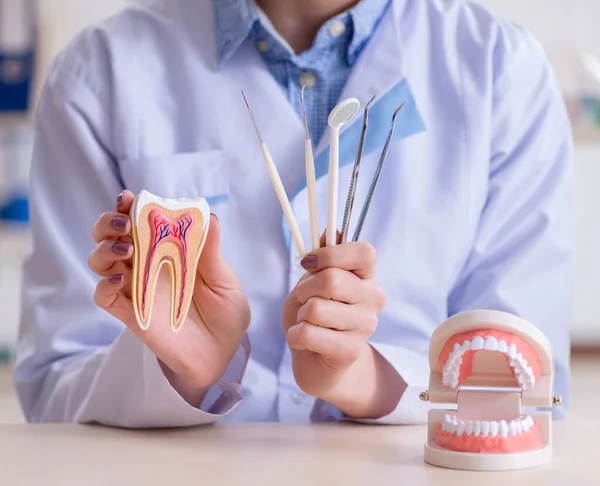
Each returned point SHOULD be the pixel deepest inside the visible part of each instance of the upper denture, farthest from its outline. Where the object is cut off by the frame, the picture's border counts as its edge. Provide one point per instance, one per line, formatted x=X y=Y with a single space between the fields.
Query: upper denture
x=456 y=358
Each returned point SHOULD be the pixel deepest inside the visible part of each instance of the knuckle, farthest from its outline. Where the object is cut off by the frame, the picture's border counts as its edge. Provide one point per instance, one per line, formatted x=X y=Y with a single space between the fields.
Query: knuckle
x=330 y=282
x=306 y=334
x=380 y=298
x=367 y=253
x=313 y=310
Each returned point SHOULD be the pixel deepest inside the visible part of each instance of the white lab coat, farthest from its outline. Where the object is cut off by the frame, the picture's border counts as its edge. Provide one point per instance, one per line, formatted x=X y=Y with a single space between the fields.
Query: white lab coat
x=473 y=209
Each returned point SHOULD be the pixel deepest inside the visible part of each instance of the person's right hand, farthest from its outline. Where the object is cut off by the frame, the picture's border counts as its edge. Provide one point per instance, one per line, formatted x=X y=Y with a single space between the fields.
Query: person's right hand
x=197 y=356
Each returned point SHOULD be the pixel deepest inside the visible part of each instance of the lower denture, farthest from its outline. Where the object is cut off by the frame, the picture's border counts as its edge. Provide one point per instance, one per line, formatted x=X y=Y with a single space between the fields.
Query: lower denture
x=522 y=442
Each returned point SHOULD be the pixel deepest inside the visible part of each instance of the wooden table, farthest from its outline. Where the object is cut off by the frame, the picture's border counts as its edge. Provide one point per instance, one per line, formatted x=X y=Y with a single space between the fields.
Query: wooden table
x=283 y=455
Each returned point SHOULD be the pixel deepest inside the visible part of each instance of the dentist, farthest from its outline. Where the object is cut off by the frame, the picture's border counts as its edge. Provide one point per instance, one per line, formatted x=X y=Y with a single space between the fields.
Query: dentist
x=474 y=210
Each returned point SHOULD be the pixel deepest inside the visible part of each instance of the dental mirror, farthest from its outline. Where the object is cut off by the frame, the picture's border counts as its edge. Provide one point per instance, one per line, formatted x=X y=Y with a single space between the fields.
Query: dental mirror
x=341 y=115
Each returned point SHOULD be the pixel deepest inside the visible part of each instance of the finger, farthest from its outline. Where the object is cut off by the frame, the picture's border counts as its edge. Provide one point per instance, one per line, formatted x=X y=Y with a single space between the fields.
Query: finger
x=332 y=283
x=338 y=316
x=357 y=257
x=111 y=226
x=338 y=348
x=124 y=202
x=212 y=268
x=107 y=253
x=323 y=239
x=110 y=297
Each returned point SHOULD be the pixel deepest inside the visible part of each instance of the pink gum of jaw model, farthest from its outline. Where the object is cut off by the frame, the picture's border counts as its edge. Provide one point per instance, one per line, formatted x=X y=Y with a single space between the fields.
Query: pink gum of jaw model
x=490 y=364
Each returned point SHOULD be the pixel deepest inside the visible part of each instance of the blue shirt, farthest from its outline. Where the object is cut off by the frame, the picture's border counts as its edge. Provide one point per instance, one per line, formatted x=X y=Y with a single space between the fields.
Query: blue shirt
x=324 y=68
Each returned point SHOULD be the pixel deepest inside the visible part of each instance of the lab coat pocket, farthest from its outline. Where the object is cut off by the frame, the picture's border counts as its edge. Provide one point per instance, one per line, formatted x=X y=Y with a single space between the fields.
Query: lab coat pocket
x=185 y=175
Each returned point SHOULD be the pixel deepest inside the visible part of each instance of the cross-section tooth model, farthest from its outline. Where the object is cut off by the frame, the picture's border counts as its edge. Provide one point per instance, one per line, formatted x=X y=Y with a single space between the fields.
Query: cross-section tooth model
x=490 y=364
x=168 y=232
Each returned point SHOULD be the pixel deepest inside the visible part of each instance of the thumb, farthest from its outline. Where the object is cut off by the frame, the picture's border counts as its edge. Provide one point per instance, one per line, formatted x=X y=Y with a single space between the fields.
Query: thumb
x=212 y=268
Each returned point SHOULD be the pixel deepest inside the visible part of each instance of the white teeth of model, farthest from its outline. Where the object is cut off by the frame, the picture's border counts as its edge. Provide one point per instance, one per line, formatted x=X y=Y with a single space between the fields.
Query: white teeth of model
x=476 y=428
x=171 y=232
x=491 y=343
x=512 y=351
x=494 y=426
x=461 y=428
x=503 y=428
x=466 y=346
x=456 y=348
x=477 y=343
x=513 y=428
x=485 y=429
x=469 y=428
x=502 y=346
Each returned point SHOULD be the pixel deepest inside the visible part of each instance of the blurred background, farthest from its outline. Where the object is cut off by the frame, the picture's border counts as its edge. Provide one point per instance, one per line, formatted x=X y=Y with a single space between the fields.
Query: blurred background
x=33 y=31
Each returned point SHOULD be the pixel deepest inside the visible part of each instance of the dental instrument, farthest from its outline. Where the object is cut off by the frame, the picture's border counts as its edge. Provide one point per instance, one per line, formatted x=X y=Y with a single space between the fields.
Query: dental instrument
x=354 y=179
x=278 y=185
x=367 y=204
x=311 y=182
x=342 y=114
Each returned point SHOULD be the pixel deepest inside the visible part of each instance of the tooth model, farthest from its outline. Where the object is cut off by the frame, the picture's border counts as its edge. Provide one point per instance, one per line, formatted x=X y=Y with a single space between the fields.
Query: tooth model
x=168 y=232
x=489 y=364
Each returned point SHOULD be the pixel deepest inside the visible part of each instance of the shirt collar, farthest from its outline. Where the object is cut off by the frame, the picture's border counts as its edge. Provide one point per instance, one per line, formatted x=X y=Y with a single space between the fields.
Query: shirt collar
x=234 y=20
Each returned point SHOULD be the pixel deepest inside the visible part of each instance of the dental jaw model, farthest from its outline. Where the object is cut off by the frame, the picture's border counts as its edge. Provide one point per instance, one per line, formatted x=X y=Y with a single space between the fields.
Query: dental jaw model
x=491 y=365
x=168 y=232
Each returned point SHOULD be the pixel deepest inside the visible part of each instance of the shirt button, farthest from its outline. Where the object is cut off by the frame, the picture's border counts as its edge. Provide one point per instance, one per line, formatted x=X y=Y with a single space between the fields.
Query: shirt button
x=337 y=28
x=262 y=46
x=307 y=79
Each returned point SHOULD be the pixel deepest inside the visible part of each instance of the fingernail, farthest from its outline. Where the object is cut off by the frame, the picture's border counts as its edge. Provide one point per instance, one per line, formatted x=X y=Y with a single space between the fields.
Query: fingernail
x=121 y=247
x=120 y=200
x=116 y=278
x=119 y=223
x=309 y=262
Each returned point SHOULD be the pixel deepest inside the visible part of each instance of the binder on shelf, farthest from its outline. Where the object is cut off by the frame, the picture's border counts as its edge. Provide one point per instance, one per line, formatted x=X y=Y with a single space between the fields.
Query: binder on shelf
x=17 y=54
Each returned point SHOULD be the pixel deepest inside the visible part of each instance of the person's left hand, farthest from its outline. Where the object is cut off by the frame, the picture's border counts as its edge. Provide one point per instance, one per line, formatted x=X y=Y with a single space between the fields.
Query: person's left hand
x=329 y=318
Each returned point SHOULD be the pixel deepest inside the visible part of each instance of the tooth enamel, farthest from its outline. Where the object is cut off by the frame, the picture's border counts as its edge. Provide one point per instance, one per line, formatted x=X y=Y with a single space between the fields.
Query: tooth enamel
x=491 y=343
x=171 y=231
x=512 y=350
x=469 y=428
x=525 y=425
x=456 y=348
x=460 y=429
x=485 y=429
x=503 y=428
x=494 y=426
x=477 y=343
x=502 y=346
x=513 y=428
x=466 y=346
x=476 y=428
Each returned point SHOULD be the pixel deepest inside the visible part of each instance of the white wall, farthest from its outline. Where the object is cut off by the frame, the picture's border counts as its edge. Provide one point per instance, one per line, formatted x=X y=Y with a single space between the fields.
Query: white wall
x=568 y=29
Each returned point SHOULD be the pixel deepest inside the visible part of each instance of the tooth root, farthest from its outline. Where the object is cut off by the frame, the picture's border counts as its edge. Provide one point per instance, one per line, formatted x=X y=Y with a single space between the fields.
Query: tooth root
x=171 y=232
